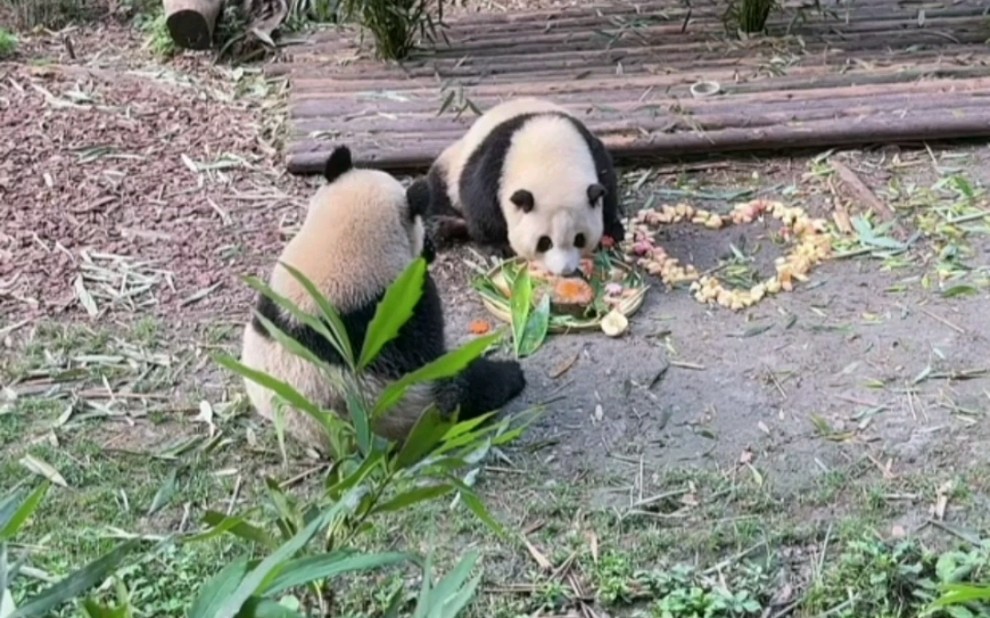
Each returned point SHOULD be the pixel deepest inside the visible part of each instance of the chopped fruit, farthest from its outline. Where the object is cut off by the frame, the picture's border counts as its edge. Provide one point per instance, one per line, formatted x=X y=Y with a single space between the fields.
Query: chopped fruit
x=571 y=295
x=614 y=323
x=479 y=327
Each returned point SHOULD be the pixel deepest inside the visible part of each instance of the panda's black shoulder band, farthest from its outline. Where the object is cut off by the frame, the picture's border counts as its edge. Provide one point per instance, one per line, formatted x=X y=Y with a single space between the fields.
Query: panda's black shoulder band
x=338 y=163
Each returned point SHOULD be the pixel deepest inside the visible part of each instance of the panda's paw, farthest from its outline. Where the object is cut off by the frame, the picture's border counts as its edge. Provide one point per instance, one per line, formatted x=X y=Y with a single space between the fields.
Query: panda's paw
x=446 y=232
x=499 y=251
x=615 y=231
x=493 y=383
x=509 y=375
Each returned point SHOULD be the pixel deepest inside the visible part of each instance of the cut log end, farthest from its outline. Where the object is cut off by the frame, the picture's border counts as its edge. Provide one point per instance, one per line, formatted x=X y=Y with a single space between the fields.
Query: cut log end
x=191 y=22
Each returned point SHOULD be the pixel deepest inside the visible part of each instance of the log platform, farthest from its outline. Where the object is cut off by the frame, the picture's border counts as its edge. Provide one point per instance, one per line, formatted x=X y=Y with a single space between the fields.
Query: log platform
x=877 y=71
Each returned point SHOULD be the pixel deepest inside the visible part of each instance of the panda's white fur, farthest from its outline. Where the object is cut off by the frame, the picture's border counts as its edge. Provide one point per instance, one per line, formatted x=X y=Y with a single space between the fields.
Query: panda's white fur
x=525 y=170
x=454 y=157
x=359 y=234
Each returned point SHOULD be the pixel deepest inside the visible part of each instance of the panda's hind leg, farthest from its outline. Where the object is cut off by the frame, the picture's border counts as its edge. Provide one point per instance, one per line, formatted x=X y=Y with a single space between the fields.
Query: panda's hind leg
x=444 y=225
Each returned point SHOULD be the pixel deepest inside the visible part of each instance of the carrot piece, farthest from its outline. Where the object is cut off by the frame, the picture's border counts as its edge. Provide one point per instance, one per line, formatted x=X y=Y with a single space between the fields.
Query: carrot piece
x=479 y=327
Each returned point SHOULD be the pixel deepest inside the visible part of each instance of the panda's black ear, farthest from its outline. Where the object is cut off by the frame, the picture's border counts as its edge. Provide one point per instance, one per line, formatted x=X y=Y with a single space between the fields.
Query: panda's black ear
x=595 y=193
x=523 y=199
x=338 y=163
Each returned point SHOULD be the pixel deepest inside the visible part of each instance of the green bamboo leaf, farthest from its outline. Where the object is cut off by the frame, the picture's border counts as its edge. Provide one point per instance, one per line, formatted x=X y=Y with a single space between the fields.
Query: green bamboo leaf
x=425 y=434
x=123 y=609
x=358 y=476
x=359 y=416
x=959 y=290
x=291 y=344
x=537 y=326
x=164 y=493
x=451 y=593
x=216 y=590
x=11 y=523
x=238 y=526
x=465 y=427
x=394 y=310
x=340 y=339
x=288 y=393
x=76 y=584
x=93 y=609
x=450 y=444
x=415 y=496
x=273 y=563
x=474 y=503
x=300 y=316
x=448 y=365
x=519 y=306
x=301 y=571
x=476 y=506
x=957 y=594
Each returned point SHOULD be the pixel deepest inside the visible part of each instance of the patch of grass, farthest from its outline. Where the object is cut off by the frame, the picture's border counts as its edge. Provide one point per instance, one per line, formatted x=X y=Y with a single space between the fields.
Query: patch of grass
x=158 y=40
x=113 y=493
x=947 y=216
x=52 y=14
x=395 y=25
x=749 y=16
x=8 y=44
x=871 y=577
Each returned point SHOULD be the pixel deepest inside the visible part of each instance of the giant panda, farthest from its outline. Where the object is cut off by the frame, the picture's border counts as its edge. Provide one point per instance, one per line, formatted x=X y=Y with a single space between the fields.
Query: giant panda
x=359 y=234
x=527 y=179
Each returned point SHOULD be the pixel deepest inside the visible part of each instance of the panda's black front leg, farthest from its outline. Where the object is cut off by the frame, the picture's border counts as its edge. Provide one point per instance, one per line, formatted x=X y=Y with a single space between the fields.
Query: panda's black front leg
x=499 y=251
x=489 y=385
x=612 y=218
x=484 y=386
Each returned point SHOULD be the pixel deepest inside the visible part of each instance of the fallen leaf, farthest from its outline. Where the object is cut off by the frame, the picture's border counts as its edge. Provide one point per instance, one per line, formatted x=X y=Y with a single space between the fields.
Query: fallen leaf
x=206 y=416
x=44 y=469
x=85 y=298
x=564 y=367
x=200 y=294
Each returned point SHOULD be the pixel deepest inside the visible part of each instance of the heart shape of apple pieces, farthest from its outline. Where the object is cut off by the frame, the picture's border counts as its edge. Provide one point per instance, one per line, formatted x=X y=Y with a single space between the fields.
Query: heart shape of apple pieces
x=811 y=247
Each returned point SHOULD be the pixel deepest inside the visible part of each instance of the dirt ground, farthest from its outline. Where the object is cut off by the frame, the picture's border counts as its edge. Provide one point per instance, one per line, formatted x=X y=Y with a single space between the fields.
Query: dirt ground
x=146 y=192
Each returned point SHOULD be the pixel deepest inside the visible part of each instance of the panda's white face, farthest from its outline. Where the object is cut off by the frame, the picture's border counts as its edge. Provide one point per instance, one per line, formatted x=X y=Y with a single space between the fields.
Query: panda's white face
x=555 y=234
x=550 y=194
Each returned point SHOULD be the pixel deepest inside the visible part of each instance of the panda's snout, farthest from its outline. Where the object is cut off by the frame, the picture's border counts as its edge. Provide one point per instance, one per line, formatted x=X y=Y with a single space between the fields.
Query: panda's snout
x=562 y=263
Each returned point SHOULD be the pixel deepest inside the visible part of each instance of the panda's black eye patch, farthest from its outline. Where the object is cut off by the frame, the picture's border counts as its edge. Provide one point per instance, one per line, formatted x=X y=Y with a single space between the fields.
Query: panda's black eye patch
x=579 y=241
x=544 y=244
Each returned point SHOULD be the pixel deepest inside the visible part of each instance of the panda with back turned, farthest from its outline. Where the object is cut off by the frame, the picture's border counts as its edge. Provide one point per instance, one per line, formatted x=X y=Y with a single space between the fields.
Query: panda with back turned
x=527 y=179
x=359 y=234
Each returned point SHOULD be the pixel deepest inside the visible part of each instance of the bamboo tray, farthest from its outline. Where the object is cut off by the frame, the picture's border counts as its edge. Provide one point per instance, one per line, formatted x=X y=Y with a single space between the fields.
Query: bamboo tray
x=497 y=303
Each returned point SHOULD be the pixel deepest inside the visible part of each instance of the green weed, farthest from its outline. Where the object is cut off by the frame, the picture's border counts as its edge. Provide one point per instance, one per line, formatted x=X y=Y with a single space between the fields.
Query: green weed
x=895 y=580
x=158 y=40
x=8 y=44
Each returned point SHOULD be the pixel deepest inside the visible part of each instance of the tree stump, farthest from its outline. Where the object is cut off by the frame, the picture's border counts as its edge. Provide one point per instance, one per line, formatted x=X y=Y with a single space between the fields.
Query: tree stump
x=191 y=22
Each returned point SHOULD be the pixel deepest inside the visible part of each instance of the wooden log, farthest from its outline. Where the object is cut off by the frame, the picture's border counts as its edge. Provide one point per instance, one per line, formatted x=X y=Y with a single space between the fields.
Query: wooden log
x=191 y=22
x=307 y=157
x=336 y=94
x=705 y=120
x=339 y=110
